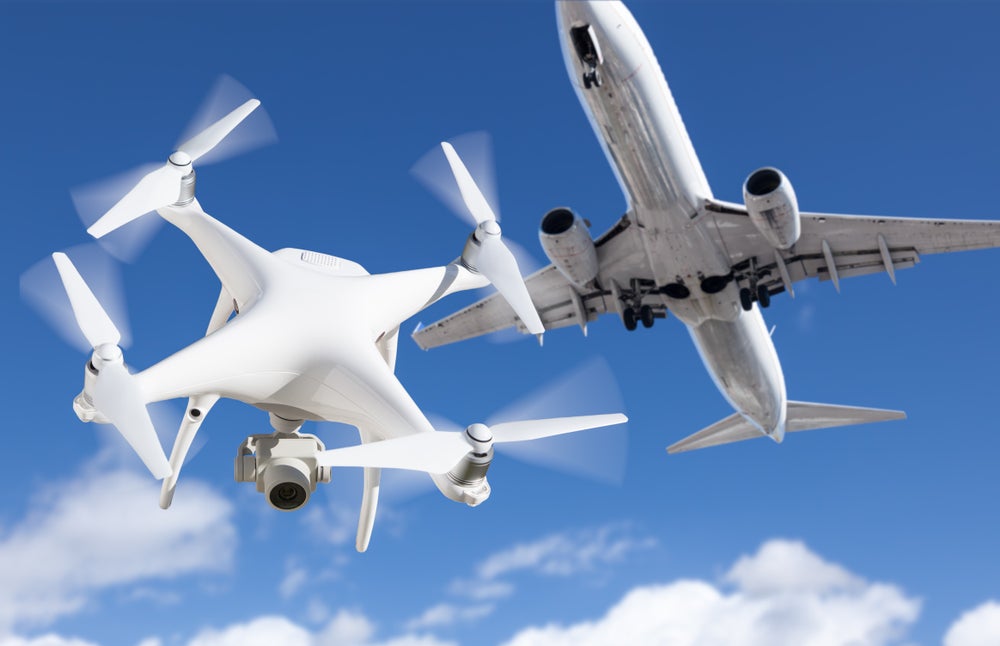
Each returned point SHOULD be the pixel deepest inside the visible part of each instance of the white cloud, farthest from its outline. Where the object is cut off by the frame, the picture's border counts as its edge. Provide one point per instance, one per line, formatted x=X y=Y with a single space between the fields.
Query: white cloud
x=446 y=614
x=105 y=529
x=564 y=554
x=347 y=628
x=479 y=590
x=821 y=605
x=295 y=578
x=45 y=640
x=977 y=627
x=788 y=566
x=263 y=631
x=335 y=522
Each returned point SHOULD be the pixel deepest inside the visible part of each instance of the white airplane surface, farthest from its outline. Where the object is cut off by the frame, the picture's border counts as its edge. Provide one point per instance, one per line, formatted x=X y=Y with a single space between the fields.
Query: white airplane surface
x=304 y=336
x=712 y=264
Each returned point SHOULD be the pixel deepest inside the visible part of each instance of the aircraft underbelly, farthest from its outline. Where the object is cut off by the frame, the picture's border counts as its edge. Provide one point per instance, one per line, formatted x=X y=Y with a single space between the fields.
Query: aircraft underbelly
x=742 y=360
x=640 y=129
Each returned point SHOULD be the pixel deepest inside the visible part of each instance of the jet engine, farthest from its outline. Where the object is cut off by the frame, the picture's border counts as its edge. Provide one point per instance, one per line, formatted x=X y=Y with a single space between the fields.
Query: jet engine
x=772 y=206
x=567 y=242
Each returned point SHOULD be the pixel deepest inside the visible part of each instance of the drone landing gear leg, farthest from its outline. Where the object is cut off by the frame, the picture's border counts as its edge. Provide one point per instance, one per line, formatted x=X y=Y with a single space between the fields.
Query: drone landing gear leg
x=197 y=408
x=369 y=499
x=369 y=503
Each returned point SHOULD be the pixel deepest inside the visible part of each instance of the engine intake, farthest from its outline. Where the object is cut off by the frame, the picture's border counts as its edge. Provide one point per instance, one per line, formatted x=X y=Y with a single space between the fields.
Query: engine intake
x=567 y=243
x=772 y=206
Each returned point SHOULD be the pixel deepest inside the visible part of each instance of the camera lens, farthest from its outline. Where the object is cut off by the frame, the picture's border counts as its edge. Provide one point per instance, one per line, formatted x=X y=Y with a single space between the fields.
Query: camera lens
x=288 y=495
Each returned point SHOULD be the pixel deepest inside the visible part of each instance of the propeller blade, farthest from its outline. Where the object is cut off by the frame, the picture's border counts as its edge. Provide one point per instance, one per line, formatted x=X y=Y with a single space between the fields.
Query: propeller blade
x=162 y=187
x=435 y=173
x=119 y=398
x=434 y=452
x=474 y=199
x=210 y=137
x=158 y=188
x=94 y=322
x=498 y=265
x=588 y=389
x=539 y=428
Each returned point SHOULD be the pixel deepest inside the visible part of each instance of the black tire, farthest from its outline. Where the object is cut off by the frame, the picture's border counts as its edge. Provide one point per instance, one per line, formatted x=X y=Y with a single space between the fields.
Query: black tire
x=763 y=296
x=596 y=77
x=628 y=317
x=646 y=316
x=588 y=80
x=746 y=299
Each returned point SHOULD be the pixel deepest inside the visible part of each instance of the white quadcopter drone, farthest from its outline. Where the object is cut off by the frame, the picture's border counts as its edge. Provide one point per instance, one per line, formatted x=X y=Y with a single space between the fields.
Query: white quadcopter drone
x=313 y=338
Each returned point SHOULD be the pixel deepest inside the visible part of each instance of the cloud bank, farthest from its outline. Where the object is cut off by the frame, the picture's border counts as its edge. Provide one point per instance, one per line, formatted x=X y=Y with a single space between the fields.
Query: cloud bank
x=783 y=594
x=105 y=529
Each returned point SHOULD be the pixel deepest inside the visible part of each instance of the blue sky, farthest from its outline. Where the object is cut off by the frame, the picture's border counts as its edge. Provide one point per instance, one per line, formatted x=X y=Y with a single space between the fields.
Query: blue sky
x=883 y=108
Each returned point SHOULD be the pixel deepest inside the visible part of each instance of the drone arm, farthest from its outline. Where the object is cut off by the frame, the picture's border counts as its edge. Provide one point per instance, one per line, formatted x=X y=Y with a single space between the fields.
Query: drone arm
x=197 y=408
x=238 y=262
x=223 y=309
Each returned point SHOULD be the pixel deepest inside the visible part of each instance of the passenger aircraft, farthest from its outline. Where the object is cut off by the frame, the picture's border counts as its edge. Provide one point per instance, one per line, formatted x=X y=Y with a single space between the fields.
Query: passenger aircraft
x=713 y=264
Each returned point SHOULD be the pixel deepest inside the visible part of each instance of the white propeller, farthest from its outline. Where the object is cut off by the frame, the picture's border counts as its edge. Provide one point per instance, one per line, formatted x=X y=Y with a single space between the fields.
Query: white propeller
x=439 y=451
x=166 y=184
x=116 y=394
x=494 y=260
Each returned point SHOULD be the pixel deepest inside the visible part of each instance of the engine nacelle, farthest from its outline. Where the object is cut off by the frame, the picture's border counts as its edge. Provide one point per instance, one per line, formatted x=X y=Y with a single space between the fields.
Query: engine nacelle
x=773 y=209
x=567 y=242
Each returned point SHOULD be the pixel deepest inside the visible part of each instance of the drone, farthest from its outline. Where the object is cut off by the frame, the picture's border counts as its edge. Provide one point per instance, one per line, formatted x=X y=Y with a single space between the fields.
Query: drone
x=303 y=336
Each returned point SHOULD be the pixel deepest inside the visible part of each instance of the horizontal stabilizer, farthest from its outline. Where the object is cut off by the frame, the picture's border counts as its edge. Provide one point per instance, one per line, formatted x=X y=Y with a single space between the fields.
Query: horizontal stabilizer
x=802 y=416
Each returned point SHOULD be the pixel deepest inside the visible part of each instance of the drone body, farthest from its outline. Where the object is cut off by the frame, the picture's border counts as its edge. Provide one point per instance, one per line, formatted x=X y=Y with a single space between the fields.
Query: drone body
x=304 y=336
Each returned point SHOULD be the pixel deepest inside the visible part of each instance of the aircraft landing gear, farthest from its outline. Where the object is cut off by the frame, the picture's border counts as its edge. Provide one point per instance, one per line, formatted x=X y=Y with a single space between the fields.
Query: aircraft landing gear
x=646 y=316
x=755 y=291
x=628 y=317
x=592 y=78
x=763 y=296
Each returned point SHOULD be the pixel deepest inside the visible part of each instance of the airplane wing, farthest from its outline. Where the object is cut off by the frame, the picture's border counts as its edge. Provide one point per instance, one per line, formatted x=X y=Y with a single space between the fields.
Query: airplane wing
x=856 y=244
x=559 y=304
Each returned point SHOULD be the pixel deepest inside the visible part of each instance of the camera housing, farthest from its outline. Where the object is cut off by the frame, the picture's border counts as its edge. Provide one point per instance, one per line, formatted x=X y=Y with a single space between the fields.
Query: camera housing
x=284 y=467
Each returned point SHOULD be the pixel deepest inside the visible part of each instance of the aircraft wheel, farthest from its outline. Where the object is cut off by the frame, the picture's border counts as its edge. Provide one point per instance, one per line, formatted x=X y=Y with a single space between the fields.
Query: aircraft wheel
x=628 y=316
x=763 y=296
x=588 y=80
x=746 y=299
x=646 y=316
x=596 y=77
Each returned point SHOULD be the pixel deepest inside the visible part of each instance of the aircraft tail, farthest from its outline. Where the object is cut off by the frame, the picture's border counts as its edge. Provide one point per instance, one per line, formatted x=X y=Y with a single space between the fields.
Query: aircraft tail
x=802 y=416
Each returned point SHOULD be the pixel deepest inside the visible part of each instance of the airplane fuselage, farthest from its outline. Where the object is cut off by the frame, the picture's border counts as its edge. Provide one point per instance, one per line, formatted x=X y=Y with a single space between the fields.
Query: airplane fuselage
x=640 y=129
